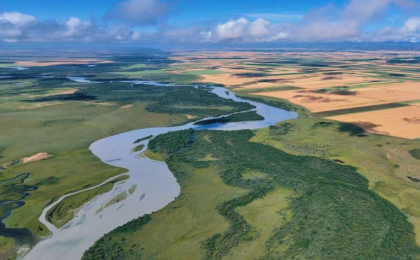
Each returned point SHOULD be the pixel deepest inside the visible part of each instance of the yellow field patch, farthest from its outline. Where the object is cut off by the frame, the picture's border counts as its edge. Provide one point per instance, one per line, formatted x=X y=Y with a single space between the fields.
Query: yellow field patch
x=408 y=86
x=400 y=122
x=319 y=102
x=36 y=157
x=328 y=81
x=226 y=79
x=387 y=95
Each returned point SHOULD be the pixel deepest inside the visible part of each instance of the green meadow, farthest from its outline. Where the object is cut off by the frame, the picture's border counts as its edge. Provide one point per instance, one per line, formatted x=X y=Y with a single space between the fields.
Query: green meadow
x=243 y=198
x=307 y=188
x=62 y=118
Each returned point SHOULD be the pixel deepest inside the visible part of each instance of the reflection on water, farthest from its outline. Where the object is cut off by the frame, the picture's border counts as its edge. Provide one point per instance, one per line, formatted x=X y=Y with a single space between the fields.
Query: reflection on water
x=22 y=236
x=156 y=185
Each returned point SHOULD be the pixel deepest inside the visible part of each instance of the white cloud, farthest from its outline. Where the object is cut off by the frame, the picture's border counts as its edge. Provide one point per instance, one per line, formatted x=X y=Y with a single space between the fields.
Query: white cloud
x=412 y=25
x=16 y=18
x=408 y=32
x=16 y=27
x=75 y=26
x=242 y=30
x=12 y=24
x=232 y=29
x=325 y=24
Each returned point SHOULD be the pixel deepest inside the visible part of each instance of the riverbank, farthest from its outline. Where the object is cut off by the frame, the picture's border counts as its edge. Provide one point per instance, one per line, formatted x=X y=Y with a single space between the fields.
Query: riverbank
x=64 y=126
x=154 y=182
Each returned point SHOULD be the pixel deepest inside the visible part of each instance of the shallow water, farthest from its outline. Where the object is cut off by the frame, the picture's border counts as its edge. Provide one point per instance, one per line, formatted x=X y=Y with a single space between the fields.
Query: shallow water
x=19 y=68
x=21 y=236
x=155 y=185
x=82 y=80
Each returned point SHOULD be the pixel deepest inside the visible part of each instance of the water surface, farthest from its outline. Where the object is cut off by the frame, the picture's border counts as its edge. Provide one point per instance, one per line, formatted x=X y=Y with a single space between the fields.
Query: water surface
x=153 y=183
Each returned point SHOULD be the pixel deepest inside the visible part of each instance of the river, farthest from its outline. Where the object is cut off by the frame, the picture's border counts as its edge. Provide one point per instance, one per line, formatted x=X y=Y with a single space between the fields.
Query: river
x=151 y=185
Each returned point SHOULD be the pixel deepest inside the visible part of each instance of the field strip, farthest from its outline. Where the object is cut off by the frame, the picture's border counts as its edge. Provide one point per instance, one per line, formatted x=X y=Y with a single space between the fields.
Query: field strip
x=359 y=109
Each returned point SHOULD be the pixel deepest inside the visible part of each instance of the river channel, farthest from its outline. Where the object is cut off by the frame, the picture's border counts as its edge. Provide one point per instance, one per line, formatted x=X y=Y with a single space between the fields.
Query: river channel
x=151 y=185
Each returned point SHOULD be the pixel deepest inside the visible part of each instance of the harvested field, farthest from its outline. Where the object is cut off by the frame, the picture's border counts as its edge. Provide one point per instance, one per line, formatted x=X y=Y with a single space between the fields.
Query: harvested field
x=400 y=122
x=323 y=81
x=226 y=79
x=318 y=102
x=329 y=84
x=411 y=87
x=387 y=95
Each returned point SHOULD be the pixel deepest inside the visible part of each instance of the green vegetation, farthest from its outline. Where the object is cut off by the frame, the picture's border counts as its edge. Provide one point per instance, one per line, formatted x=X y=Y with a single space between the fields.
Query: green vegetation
x=67 y=128
x=7 y=248
x=65 y=210
x=143 y=139
x=114 y=251
x=281 y=129
x=159 y=75
x=137 y=148
x=410 y=60
x=172 y=143
x=276 y=102
x=415 y=153
x=285 y=192
x=239 y=117
x=62 y=118
x=376 y=157
x=153 y=156
x=325 y=211
x=168 y=100
x=353 y=130
x=359 y=109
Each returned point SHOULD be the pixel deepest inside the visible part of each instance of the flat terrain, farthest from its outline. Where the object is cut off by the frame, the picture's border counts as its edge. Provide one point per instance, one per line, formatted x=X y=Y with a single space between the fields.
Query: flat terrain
x=254 y=201
x=323 y=83
x=402 y=122
x=340 y=182
x=49 y=122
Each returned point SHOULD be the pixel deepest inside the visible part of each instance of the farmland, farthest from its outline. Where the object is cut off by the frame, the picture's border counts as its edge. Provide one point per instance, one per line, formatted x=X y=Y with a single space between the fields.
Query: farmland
x=328 y=185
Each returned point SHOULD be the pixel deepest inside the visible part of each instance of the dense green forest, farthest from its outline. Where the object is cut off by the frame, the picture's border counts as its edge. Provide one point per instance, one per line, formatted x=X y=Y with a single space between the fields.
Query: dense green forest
x=170 y=100
x=332 y=213
x=239 y=117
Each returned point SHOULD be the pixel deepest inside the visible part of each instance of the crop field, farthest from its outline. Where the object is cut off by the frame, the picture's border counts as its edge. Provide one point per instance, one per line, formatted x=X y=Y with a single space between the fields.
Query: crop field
x=322 y=82
x=345 y=171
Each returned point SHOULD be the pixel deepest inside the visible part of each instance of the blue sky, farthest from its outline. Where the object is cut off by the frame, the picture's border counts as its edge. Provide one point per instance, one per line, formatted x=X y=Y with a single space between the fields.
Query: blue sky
x=215 y=21
x=190 y=9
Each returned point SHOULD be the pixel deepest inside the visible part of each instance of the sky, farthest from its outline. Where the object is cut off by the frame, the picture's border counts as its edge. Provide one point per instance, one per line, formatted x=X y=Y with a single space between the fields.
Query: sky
x=210 y=21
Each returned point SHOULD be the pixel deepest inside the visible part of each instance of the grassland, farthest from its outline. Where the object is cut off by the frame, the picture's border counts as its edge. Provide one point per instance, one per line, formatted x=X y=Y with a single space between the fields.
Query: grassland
x=62 y=118
x=385 y=161
x=314 y=208
x=67 y=208
x=305 y=189
x=239 y=117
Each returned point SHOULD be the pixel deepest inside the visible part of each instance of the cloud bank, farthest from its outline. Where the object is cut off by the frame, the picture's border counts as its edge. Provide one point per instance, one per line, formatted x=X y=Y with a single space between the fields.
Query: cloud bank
x=125 y=23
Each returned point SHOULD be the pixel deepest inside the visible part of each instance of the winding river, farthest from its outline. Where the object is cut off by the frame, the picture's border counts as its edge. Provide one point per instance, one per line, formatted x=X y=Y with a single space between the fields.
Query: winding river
x=151 y=185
